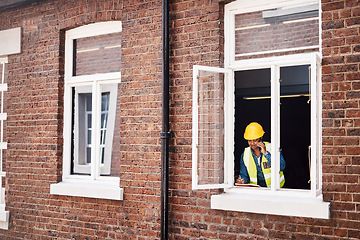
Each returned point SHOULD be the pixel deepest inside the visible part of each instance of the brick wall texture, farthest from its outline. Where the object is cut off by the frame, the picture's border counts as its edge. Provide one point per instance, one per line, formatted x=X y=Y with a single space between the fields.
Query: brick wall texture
x=34 y=103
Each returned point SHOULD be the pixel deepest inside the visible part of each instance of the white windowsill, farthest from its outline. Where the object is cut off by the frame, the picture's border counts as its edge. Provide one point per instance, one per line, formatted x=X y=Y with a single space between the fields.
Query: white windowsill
x=276 y=205
x=4 y=217
x=87 y=189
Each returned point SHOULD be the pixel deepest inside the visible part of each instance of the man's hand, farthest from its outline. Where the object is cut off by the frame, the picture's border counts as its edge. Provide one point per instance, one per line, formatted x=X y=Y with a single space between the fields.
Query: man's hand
x=240 y=180
x=261 y=145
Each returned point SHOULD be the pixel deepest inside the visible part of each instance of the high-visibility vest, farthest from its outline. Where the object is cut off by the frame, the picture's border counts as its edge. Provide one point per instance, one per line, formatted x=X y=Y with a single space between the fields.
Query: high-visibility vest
x=250 y=164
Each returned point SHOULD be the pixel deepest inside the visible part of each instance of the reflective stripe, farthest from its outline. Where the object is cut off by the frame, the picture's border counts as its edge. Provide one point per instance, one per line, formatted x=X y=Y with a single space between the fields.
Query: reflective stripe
x=253 y=179
x=250 y=165
x=267 y=175
x=247 y=157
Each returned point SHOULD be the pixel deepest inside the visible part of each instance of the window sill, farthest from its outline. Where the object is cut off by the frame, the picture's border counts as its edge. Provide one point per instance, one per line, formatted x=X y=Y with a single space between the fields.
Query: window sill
x=286 y=206
x=87 y=189
x=4 y=217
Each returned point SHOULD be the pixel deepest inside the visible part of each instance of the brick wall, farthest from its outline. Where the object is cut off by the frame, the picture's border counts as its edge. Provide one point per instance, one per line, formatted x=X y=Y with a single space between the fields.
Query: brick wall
x=341 y=119
x=34 y=126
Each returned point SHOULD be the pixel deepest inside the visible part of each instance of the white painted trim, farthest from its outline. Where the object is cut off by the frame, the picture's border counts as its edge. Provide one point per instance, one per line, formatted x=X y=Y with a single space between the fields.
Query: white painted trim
x=95 y=29
x=10 y=41
x=275 y=126
x=287 y=206
x=4 y=215
x=3 y=145
x=3 y=116
x=244 y=6
x=114 y=76
x=276 y=51
x=90 y=189
x=3 y=87
x=282 y=11
x=3 y=60
x=4 y=219
x=287 y=60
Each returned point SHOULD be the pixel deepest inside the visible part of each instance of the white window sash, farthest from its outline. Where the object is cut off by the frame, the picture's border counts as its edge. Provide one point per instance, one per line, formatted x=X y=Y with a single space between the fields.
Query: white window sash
x=245 y=6
x=228 y=125
x=275 y=127
x=316 y=123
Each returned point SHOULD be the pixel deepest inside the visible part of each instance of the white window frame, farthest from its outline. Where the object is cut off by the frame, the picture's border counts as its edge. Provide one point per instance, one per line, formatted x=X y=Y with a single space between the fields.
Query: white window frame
x=291 y=202
x=10 y=43
x=4 y=215
x=105 y=167
x=95 y=185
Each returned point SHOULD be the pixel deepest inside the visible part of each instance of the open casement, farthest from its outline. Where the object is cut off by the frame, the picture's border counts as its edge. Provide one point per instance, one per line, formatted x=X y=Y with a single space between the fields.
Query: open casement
x=316 y=120
x=210 y=158
x=83 y=128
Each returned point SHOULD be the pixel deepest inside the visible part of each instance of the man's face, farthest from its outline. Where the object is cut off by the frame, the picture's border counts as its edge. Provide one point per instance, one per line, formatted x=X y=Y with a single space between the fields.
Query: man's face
x=254 y=143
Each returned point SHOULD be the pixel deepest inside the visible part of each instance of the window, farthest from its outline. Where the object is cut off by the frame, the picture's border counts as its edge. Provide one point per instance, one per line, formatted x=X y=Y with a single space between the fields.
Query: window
x=4 y=215
x=91 y=110
x=272 y=75
x=10 y=43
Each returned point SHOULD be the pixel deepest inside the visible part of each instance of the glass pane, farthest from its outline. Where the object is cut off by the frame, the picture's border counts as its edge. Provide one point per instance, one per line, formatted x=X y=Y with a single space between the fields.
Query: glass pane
x=295 y=125
x=99 y=54
x=89 y=136
x=210 y=128
x=88 y=102
x=276 y=29
x=88 y=155
x=105 y=101
x=110 y=130
x=252 y=104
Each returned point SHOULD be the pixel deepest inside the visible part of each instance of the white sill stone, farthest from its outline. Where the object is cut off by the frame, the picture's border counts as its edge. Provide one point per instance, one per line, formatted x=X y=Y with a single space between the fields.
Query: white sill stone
x=87 y=189
x=276 y=205
x=4 y=219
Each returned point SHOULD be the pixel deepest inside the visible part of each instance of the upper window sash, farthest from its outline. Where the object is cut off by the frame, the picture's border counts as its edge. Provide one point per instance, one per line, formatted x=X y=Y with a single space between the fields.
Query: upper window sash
x=244 y=6
x=90 y=30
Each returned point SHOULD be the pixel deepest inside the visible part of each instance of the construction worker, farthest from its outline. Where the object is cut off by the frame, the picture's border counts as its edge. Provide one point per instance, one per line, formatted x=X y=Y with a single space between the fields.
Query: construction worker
x=255 y=162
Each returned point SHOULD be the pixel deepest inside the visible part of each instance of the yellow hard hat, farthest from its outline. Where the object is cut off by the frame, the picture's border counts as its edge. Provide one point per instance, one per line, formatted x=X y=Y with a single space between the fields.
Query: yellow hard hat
x=253 y=131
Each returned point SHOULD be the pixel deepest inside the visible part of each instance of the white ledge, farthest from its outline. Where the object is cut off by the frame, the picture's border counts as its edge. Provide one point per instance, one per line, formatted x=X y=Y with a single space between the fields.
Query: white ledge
x=276 y=205
x=87 y=189
x=4 y=218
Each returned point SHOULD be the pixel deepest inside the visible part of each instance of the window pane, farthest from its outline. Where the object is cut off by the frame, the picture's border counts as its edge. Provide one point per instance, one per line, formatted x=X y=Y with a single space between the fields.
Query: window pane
x=99 y=54
x=252 y=104
x=276 y=29
x=210 y=128
x=109 y=130
x=88 y=155
x=295 y=125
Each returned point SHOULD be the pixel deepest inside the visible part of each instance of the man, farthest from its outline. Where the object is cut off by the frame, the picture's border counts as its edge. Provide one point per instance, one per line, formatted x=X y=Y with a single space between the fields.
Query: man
x=255 y=162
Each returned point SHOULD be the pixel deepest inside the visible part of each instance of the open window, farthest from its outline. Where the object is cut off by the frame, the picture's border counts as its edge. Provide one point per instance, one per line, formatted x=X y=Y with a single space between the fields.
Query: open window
x=276 y=83
x=83 y=127
x=210 y=103
x=91 y=165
